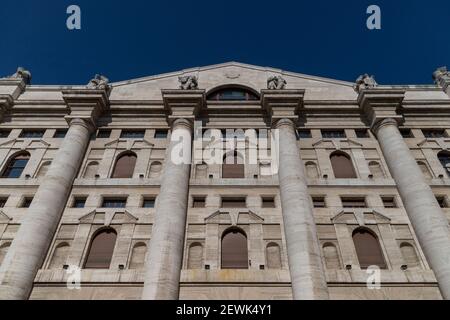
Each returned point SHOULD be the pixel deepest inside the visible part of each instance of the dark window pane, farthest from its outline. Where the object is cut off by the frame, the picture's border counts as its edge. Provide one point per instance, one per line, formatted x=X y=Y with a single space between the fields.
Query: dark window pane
x=124 y=167
x=233 y=203
x=148 y=203
x=268 y=202
x=353 y=202
x=114 y=203
x=132 y=134
x=442 y=202
x=3 y=202
x=319 y=202
x=234 y=250
x=362 y=133
x=26 y=202
x=342 y=166
x=35 y=133
x=444 y=158
x=4 y=133
x=101 y=250
x=199 y=202
x=304 y=134
x=434 y=133
x=388 y=202
x=368 y=249
x=79 y=202
x=60 y=133
x=333 y=134
x=161 y=134
x=233 y=94
x=15 y=166
x=406 y=133
x=103 y=133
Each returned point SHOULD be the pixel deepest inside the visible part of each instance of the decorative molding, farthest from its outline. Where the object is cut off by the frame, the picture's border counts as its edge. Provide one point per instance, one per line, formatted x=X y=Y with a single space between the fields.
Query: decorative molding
x=358 y=216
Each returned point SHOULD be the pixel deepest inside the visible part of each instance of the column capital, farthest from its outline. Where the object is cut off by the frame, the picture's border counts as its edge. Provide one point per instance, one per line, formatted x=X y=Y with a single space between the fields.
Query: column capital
x=384 y=122
x=182 y=122
x=283 y=122
x=185 y=104
x=86 y=105
x=282 y=104
x=378 y=104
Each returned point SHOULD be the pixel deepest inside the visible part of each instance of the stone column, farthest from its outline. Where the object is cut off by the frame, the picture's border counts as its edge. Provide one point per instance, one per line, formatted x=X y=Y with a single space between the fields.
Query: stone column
x=425 y=214
x=165 y=256
x=303 y=248
x=30 y=245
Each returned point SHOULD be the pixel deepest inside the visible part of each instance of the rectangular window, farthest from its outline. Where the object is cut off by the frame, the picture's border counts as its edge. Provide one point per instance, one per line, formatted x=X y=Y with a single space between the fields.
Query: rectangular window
x=132 y=134
x=235 y=202
x=3 y=202
x=103 y=133
x=268 y=202
x=304 y=134
x=319 y=202
x=148 y=202
x=114 y=203
x=434 y=133
x=406 y=133
x=161 y=134
x=199 y=202
x=60 y=133
x=79 y=202
x=362 y=133
x=442 y=201
x=32 y=133
x=4 y=133
x=389 y=202
x=353 y=202
x=26 y=202
x=337 y=133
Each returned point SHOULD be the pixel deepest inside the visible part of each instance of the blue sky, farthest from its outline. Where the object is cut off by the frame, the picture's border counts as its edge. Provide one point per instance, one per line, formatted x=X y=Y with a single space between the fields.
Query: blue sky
x=135 y=38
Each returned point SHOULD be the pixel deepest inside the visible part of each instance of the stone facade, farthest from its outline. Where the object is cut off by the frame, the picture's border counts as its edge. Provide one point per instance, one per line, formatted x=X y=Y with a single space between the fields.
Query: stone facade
x=296 y=249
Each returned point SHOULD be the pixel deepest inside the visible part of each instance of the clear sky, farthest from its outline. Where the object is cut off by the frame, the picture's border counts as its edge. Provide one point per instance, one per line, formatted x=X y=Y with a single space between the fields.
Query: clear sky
x=135 y=38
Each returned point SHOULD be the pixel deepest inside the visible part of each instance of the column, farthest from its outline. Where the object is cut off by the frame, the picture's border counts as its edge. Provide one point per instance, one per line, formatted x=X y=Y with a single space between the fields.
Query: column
x=30 y=245
x=380 y=106
x=165 y=256
x=303 y=248
x=425 y=214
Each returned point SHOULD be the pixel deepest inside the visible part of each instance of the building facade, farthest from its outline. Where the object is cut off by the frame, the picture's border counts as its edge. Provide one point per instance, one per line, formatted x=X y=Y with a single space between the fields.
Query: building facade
x=107 y=191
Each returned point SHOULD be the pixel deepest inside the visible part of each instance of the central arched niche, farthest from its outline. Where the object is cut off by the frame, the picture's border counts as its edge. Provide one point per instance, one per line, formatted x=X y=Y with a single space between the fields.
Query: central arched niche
x=232 y=93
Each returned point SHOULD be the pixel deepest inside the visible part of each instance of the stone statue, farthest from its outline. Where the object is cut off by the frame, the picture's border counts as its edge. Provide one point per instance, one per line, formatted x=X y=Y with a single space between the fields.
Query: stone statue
x=188 y=82
x=365 y=82
x=21 y=73
x=99 y=82
x=441 y=75
x=276 y=83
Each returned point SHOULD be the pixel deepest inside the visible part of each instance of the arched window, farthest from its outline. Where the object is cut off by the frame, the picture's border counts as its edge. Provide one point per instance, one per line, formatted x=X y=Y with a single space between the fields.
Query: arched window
x=375 y=170
x=43 y=169
x=59 y=256
x=91 y=170
x=155 y=169
x=3 y=250
x=233 y=94
x=342 y=165
x=234 y=249
x=444 y=158
x=233 y=166
x=423 y=167
x=409 y=255
x=368 y=249
x=201 y=170
x=311 y=170
x=101 y=249
x=16 y=165
x=273 y=256
x=195 y=256
x=331 y=256
x=125 y=165
x=137 y=259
